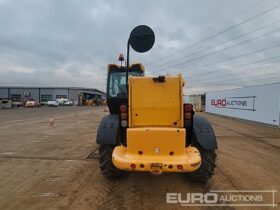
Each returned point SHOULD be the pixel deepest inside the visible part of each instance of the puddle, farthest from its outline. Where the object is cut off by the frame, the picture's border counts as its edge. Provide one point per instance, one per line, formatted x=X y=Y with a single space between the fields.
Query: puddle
x=33 y=141
x=54 y=179
x=7 y=153
x=48 y=194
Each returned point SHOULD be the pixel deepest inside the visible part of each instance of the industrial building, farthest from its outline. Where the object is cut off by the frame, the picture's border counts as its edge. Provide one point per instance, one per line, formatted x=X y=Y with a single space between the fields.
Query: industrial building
x=198 y=102
x=40 y=94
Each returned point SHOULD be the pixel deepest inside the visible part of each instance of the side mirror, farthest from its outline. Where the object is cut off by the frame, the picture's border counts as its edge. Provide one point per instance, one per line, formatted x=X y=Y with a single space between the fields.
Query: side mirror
x=142 y=38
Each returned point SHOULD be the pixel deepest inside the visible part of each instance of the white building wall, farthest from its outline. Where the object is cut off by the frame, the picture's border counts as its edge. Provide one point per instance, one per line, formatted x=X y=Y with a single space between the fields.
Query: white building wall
x=186 y=99
x=258 y=103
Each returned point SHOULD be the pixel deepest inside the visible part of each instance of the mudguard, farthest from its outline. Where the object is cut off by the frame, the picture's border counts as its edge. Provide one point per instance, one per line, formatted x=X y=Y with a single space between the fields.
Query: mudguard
x=108 y=130
x=204 y=133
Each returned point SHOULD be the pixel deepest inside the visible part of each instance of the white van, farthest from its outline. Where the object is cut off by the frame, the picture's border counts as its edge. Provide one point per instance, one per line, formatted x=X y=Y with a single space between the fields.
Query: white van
x=52 y=103
x=64 y=102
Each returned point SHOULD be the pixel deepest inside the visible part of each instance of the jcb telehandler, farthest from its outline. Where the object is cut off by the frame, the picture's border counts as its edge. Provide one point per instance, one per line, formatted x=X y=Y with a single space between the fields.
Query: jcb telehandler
x=149 y=127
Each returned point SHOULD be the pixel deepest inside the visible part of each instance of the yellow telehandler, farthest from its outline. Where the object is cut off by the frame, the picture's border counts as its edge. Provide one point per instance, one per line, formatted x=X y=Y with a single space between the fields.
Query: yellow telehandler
x=149 y=127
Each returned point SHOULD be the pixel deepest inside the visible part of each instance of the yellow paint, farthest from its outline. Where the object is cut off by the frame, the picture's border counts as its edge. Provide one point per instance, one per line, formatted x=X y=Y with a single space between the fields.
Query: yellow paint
x=148 y=138
x=156 y=104
x=156 y=135
x=150 y=145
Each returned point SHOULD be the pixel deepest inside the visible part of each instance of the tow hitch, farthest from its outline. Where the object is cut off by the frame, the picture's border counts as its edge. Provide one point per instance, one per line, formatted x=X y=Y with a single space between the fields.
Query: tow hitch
x=156 y=168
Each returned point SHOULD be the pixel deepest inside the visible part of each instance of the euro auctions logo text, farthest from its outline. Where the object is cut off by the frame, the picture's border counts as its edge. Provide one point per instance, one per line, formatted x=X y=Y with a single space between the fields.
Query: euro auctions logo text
x=225 y=102
x=192 y=198
x=224 y=198
x=243 y=103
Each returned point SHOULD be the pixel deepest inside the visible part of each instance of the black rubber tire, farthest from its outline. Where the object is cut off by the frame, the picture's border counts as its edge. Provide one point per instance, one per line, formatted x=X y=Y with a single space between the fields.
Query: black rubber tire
x=206 y=169
x=105 y=160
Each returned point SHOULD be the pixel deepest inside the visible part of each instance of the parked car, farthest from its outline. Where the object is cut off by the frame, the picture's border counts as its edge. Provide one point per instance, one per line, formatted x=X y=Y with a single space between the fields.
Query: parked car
x=17 y=104
x=31 y=103
x=52 y=103
x=44 y=102
x=64 y=102
x=5 y=104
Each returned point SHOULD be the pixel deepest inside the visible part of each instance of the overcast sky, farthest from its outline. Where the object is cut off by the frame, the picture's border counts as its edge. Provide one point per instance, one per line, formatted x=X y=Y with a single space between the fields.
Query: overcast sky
x=70 y=42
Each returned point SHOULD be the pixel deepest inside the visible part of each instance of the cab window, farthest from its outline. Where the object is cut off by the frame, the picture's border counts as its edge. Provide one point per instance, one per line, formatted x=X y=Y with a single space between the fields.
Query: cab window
x=117 y=83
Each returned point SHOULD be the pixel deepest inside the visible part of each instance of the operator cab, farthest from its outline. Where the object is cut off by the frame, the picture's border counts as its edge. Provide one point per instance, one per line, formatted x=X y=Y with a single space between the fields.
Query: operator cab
x=116 y=84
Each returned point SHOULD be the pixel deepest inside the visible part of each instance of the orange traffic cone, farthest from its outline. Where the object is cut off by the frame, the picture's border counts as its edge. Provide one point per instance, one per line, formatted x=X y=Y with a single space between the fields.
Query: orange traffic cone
x=51 y=122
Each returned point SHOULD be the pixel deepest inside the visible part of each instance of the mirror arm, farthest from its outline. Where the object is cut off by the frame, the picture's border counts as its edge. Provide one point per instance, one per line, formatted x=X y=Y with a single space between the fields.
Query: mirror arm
x=127 y=63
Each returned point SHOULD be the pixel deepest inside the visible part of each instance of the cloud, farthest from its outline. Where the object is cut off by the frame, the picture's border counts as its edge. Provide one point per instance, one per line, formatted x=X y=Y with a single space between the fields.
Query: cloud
x=70 y=42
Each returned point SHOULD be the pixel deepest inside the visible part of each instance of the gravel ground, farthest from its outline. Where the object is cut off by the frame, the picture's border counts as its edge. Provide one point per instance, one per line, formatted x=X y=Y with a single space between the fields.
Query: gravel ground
x=44 y=167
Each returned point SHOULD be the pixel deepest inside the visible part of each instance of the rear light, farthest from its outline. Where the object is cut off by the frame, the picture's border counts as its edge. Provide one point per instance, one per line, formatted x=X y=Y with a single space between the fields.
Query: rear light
x=188 y=112
x=124 y=123
x=188 y=124
x=132 y=165
x=188 y=116
x=124 y=116
x=188 y=107
x=123 y=108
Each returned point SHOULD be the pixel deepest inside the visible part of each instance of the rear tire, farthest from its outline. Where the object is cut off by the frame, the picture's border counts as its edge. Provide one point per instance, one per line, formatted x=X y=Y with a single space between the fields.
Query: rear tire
x=206 y=169
x=105 y=159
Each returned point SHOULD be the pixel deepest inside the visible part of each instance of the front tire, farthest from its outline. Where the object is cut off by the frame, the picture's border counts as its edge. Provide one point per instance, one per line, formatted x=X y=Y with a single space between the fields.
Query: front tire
x=206 y=169
x=105 y=160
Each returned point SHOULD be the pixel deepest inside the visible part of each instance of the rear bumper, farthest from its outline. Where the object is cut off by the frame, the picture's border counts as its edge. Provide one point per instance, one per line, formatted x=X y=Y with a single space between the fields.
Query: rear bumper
x=188 y=161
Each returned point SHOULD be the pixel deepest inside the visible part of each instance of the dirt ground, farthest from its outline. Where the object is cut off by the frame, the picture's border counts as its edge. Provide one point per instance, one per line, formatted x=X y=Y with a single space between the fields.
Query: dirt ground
x=44 y=167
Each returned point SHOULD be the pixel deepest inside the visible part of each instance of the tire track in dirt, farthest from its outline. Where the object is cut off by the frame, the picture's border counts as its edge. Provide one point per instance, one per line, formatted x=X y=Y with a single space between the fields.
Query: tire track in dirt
x=122 y=194
x=132 y=191
x=40 y=158
x=228 y=178
x=254 y=138
x=108 y=194
x=248 y=135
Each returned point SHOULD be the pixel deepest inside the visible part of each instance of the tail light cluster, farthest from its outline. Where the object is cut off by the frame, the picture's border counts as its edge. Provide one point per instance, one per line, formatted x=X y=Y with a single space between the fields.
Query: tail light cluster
x=188 y=115
x=124 y=116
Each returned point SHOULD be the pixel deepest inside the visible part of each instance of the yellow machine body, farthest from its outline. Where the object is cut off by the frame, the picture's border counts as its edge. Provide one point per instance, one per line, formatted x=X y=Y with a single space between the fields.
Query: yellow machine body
x=156 y=103
x=156 y=149
x=156 y=136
